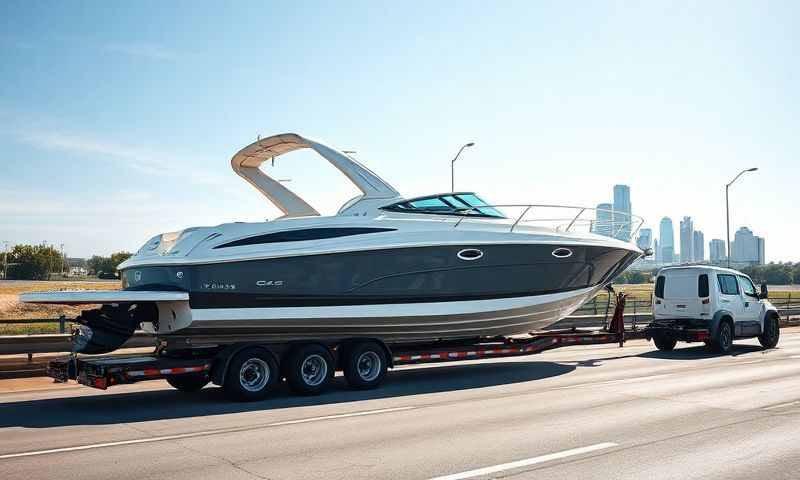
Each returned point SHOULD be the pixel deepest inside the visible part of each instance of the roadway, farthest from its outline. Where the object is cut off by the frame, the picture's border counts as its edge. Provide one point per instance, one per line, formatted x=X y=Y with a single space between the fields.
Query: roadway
x=577 y=412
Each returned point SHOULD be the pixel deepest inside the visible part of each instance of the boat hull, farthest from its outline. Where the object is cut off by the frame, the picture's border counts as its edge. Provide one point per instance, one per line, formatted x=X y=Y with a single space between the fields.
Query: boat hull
x=392 y=323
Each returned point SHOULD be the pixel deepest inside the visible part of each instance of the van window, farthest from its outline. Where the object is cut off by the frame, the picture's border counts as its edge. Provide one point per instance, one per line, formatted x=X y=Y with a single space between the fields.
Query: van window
x=728 y=284
x=702 y=285
x=747 y=286
x=660 y=286
x=682 y=284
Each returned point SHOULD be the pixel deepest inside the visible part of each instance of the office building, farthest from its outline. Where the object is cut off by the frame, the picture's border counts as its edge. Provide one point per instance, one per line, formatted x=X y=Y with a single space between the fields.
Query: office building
x=687 y=240
x=699 y=246
x=604 y=216
x=716 y=251
x=645 y=239
x=666 y=240
x=747 y=248
x=622 y=212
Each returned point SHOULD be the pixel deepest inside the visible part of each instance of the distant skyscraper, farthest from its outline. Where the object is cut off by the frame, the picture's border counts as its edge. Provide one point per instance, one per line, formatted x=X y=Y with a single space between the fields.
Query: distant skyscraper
x=657 y=251
x=645 y=239
x=716 y=251
x=687 y=240
x=667 y=237
x=604 y=219
x=747 y=248
x=622 y=212
x=699 y=246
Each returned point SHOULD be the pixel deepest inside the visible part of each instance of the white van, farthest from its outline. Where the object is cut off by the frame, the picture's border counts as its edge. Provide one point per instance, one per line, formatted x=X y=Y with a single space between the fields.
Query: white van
x=722 y=300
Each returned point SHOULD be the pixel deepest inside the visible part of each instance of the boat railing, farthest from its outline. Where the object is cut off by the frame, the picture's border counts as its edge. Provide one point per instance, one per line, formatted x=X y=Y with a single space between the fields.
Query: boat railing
x=563 y=218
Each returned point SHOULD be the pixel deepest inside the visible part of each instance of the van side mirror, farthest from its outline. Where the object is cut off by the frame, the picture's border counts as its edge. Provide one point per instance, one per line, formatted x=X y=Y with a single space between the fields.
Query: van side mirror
x=764 y=292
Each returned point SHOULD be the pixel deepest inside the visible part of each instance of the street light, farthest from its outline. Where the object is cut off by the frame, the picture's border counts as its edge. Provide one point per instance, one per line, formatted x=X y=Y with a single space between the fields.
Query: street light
x=728 y=210
x=452 y=166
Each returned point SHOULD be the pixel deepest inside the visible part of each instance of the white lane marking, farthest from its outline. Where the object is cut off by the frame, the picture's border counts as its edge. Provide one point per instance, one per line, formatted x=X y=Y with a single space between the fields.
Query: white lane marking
x=795 y=356
x=203 y=433
x=526 y=462
x=782 y=405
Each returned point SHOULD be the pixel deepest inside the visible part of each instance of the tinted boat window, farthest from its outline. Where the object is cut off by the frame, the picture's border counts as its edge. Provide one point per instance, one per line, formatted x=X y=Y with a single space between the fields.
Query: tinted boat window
x=660 y=286
x=702 y=286
x=303 y=235
x=728 y=284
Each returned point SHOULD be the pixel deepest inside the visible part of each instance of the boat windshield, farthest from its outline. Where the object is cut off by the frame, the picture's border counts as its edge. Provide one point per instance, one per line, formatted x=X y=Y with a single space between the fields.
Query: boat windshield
x=463 y=203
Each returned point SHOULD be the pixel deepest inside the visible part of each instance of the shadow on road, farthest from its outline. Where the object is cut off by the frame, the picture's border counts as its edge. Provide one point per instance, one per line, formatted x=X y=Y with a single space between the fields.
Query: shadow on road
x=108 y=409
x=701 y=351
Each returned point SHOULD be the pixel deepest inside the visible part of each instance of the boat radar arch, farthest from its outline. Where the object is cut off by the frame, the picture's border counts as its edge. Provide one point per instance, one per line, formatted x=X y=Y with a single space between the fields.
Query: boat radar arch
x=247 y=162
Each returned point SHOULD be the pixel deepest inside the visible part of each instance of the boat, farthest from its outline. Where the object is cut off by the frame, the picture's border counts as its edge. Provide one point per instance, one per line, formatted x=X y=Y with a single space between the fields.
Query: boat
x=405 y=270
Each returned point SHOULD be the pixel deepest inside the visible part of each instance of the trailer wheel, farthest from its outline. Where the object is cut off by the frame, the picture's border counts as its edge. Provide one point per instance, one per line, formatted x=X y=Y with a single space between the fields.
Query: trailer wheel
x=772 y=332
x=365 y=365
x=188 y=382
x=252 y=375
x=309 y=369
x=664 y=342
x=724 y=338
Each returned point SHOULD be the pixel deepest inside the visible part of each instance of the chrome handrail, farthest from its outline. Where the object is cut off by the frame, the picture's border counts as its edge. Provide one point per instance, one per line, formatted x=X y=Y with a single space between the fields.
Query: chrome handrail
x=571 y=221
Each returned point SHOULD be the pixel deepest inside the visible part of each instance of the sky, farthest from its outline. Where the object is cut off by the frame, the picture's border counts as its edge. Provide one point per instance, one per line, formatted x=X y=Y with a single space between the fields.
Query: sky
x=118 y=119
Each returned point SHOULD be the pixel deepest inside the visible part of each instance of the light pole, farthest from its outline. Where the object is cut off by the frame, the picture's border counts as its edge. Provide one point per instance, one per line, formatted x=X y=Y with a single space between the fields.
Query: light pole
x=452 y=166
x=728 y=210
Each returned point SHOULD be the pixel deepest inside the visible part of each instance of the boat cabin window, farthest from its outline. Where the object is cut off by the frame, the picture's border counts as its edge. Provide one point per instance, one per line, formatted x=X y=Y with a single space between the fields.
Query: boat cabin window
x=447 y=204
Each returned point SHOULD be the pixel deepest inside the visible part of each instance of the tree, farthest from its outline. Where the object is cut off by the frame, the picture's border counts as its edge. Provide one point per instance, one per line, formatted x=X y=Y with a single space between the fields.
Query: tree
x=33 y=262
x=98 y=264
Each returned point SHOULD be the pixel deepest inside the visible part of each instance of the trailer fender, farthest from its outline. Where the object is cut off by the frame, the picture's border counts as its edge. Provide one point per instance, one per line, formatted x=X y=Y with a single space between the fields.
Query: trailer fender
x=219 y=366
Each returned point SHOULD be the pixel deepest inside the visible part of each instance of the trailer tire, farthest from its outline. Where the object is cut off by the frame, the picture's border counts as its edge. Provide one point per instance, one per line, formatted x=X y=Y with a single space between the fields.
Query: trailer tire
x=772 y=332
x=365 y=365
x=309 y=369
x=252 y=375
x=188 y=382
x=664 y=342
x=723 y=340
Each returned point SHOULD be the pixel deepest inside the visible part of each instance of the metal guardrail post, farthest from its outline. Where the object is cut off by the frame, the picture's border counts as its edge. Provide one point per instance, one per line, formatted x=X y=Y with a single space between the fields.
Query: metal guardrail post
x=61 y=324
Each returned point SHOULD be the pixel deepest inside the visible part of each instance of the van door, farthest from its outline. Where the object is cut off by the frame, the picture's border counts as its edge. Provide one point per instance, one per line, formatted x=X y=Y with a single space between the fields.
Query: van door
x=684 y=292
x=751 y=310
x=730 y=298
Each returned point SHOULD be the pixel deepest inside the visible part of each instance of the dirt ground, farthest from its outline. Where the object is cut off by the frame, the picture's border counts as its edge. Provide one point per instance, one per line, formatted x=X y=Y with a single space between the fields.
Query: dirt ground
x=11 y=308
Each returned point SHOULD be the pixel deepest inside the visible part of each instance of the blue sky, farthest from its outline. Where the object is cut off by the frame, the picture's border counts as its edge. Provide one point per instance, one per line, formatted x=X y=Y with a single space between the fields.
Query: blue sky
x=118 y=120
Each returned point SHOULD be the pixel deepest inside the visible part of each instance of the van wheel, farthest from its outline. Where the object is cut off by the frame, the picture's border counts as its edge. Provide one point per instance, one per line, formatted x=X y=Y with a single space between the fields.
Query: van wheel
x=772 y=333
x=252 y=375
x=309 y=369
x=724 y=339
x=188 y=382
x=664 y=342
x=365 y=365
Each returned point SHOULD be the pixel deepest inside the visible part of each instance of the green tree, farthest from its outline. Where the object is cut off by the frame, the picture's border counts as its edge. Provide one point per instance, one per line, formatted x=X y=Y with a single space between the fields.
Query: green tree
x=98 y=264
x=33 y=262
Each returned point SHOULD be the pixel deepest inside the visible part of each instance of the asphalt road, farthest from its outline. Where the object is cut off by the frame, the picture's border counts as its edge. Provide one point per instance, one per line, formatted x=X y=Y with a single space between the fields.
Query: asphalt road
x=577 y=412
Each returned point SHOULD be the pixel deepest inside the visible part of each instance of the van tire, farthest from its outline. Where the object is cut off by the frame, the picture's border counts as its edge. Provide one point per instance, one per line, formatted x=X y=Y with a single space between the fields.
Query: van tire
x=664 y=342
x=772 y=332
x=723 y=340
